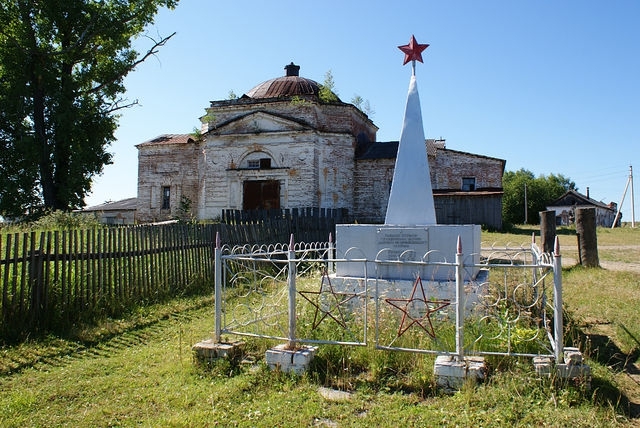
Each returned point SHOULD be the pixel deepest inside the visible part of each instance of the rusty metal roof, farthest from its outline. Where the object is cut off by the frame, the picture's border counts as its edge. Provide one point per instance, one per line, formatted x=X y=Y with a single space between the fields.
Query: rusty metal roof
x=169 y=139
x=284 y=86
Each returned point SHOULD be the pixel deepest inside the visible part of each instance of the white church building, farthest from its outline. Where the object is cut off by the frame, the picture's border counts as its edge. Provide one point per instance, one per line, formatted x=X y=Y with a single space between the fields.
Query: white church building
x=280 y=146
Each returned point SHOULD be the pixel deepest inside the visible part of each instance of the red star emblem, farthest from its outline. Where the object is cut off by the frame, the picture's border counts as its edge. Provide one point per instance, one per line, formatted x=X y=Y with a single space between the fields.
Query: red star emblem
x=408 y=317
x=327 y=302
x=412 y=51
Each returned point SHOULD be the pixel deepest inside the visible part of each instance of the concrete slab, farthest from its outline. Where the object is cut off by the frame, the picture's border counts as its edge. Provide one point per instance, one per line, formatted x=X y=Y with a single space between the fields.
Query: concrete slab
x=208 y=350
x=451 y=373
x=287 y=360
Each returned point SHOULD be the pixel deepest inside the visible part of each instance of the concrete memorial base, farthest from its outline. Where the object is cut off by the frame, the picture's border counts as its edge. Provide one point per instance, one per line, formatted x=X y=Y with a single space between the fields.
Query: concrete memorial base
x=431 y=243
x=290 y=360
x=208 y=350
x=573 y=367
x=451 y=373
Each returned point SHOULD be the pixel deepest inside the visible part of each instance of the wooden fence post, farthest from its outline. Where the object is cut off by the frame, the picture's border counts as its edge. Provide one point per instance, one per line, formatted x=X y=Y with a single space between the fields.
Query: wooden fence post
x=587 y=237
x=547 y=230
x=37 y=286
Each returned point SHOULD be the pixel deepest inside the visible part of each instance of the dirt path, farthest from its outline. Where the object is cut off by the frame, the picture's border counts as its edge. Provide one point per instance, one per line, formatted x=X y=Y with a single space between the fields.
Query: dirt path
x=608 y=264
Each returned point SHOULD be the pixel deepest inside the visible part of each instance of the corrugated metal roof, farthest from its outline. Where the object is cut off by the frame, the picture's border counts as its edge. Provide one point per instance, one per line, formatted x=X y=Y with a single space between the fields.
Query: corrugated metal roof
x=122 y=205
x=572 y=197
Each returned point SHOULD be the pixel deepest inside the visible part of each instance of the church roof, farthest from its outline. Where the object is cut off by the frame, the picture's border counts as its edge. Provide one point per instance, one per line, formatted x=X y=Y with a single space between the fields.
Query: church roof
x=286 y=86
x=169 y=139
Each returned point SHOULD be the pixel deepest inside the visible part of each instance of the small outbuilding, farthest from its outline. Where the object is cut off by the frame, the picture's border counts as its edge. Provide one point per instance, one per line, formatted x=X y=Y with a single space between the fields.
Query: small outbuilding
x=566 y=205
x=118 y=212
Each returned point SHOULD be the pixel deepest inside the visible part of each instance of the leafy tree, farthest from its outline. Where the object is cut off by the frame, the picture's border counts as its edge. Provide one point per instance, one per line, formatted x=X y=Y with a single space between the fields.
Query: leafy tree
x=62 y=66
x=541 y=191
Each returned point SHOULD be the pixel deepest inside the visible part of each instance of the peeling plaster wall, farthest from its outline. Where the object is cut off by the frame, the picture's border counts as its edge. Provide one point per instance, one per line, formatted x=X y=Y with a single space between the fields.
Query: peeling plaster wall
x=172 y=165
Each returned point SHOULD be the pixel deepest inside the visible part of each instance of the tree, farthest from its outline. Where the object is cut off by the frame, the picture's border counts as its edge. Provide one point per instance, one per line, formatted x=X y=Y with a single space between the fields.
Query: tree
x=540 y=192
x=326 y=93
x=62 y=66
x=363 y=105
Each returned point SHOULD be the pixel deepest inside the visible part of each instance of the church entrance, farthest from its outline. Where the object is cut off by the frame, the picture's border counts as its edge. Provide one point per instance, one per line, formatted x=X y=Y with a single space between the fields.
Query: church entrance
x=261 y=194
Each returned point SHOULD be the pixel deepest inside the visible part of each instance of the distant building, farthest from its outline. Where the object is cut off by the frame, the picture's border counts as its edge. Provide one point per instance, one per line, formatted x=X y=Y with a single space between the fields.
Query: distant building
x=566 y=205
x=119 y=212
x=281 y=146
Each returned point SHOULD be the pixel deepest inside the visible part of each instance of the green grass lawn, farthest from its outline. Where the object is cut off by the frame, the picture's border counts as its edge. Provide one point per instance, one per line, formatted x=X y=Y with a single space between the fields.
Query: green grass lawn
x=139 y=371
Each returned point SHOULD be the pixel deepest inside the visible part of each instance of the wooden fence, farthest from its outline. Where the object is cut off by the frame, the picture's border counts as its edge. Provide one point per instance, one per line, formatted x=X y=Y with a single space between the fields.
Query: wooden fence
x=51 y=279
x=55 y=278
x=266 y=226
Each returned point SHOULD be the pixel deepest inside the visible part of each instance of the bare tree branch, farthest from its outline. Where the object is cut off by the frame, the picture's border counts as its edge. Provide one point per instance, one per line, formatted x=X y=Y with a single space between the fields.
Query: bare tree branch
x=152 y=51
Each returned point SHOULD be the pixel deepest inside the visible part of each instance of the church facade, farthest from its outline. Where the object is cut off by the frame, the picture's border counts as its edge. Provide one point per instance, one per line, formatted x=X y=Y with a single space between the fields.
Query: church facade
x=281 y=145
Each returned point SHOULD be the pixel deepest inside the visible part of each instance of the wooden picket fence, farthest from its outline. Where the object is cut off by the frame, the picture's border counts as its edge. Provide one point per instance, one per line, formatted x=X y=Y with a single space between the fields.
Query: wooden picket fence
x=52 y=279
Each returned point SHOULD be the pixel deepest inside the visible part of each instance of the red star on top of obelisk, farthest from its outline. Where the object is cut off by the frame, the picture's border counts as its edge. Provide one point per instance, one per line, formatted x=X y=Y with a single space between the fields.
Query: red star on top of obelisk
x=412 y=51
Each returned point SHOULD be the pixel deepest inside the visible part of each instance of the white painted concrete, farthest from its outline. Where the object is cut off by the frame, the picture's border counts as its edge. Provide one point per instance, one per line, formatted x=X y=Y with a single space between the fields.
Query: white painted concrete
x=435 y=243
x=411 y=198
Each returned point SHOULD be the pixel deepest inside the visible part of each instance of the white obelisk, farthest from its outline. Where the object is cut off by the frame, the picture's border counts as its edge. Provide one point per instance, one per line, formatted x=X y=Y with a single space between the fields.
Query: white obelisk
x=411 y=198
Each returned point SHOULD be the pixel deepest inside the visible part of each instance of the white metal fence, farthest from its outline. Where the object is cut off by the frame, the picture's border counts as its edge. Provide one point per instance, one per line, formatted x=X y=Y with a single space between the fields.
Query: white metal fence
x=513 y=306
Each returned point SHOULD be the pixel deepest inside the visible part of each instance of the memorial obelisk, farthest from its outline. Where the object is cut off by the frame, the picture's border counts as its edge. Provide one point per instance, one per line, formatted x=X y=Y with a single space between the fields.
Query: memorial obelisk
x=411 y=198
x=410 y=232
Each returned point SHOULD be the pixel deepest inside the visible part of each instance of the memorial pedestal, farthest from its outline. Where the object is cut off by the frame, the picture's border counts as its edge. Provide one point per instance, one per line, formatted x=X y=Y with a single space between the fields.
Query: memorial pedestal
x=389 y=243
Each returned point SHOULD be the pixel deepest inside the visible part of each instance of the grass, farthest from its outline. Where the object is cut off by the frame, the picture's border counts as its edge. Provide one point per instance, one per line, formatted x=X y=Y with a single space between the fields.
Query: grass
x=146 y=376
x=139 y=370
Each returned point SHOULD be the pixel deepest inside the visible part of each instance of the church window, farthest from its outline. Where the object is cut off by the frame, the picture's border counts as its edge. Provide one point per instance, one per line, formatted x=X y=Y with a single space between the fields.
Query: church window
x=166 y=197
x=468 y=184
x=265 y=163
x=262 y=163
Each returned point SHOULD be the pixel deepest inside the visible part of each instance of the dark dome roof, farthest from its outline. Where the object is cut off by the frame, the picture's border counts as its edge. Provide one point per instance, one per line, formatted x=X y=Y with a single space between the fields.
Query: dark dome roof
x=285 y=86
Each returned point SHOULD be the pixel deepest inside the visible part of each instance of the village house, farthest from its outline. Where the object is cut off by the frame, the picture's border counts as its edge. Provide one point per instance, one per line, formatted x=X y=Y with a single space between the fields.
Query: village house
x=565 y=207
x=282 y=146
x=114 y=213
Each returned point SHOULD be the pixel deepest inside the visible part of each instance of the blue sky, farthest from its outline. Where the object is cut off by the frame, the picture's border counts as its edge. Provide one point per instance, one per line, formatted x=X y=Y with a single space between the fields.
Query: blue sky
x=549 y=86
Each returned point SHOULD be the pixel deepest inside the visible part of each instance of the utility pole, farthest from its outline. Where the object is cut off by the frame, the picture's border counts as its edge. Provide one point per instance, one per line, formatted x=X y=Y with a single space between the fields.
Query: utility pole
x=526 y=217
x=626 y=187
x=633 y=213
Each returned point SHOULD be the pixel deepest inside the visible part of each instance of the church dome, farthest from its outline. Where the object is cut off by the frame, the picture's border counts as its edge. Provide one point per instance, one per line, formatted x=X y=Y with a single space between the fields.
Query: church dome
x=286 y=86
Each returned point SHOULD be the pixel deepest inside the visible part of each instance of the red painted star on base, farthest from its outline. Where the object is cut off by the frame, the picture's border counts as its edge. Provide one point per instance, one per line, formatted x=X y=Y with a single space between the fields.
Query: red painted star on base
x=412 y=51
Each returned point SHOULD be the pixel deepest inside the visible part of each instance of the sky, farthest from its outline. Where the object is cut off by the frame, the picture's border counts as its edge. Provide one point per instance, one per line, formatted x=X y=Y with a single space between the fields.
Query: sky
x=552 y=87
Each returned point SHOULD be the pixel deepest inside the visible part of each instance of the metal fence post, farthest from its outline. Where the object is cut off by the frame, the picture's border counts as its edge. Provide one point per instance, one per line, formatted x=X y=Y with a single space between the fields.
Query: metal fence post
x=218 y=289
x=291 y=281
x=332 y=246
x=557 y=303
x=535 y=260
x=460 y=298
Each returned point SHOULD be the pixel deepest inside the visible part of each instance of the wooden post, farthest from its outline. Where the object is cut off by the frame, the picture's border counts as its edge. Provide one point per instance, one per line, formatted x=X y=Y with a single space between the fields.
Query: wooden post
x=587 y=238
x=547 y=230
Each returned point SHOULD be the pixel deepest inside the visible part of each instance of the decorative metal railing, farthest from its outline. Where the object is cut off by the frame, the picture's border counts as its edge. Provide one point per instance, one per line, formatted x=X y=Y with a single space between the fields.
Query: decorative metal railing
x=512 y=305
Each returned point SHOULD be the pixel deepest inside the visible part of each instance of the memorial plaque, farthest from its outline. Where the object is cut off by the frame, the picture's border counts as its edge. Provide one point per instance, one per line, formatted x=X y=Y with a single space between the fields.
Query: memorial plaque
x=399 y=240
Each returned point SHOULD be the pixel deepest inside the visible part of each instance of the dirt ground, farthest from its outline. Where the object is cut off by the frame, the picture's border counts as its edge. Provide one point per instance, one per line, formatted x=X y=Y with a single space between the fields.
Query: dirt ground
x=608 y=264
